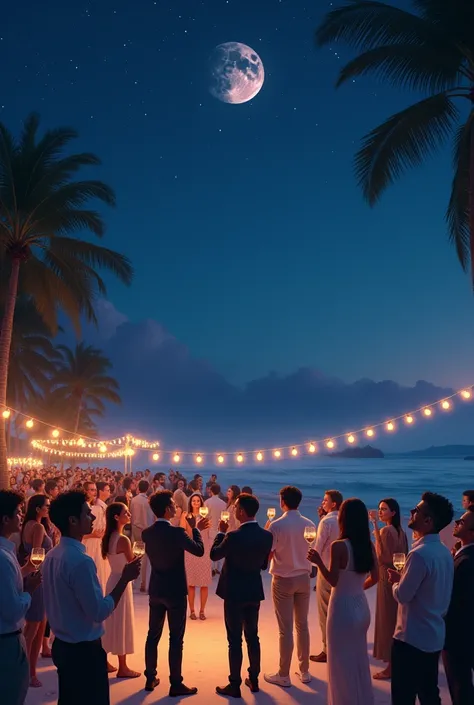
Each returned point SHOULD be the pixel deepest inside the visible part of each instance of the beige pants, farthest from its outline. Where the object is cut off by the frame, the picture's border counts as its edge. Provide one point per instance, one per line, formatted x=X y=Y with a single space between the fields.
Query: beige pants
x=291 y=602
x=14 y=670
x=323 y=594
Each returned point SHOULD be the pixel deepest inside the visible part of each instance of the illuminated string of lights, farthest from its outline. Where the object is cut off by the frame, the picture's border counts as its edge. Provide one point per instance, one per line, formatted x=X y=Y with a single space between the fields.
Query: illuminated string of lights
x=127 y=446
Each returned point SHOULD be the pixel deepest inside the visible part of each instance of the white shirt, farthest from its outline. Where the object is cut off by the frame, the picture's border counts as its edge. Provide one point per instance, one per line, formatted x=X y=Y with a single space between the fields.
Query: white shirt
x=423 y=595
x=73 y=598
x=328 y=531
x=290 y=548
x=142 y=516
x=14 y=603
x=216 y=505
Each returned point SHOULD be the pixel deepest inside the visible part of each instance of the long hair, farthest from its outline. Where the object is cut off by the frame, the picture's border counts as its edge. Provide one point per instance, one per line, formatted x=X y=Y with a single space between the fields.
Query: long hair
x=235 y=493
x=36 y=501
x=111 y=524
x=190 y=501
x=393 y=505
x=354 y=526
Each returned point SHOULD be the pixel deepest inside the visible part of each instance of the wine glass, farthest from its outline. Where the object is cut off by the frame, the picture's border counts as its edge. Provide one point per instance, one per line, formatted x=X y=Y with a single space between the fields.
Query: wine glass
x=399 y=560
x=310 y=533
x=204 y=511
x=225 y=516
x=37 y=557
x=271 y=513
x=138 y=549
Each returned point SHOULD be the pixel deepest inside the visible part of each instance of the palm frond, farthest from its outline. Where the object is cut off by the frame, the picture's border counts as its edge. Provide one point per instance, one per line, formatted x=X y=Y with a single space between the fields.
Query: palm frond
x=93 y=255
x=457 y=214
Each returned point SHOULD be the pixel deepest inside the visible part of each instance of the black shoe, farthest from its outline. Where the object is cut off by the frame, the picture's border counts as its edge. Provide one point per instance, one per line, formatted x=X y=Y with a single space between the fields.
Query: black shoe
x=181 y=689
x=232 y=691
x=151 y=684
x=253 y=685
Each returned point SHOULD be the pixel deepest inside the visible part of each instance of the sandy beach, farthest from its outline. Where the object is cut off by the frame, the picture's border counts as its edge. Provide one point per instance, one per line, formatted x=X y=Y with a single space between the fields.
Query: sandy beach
x=205 y=663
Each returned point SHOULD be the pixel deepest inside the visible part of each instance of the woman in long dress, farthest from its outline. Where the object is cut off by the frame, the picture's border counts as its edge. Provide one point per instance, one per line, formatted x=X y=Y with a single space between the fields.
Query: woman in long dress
x=353 y=569
x=232 y=494
x=388 y=540
x=118 y=638
x=198 y=570
x=93 y=541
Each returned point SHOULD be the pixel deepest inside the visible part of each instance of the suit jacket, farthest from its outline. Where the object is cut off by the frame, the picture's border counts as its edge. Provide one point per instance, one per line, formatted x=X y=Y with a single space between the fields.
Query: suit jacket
x=246 y=552
x=165 y=546
x=460 y=616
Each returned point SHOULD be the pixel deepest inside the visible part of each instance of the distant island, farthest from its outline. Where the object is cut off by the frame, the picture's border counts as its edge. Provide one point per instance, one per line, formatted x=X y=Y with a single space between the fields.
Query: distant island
x=466 y=451
x=358 y=452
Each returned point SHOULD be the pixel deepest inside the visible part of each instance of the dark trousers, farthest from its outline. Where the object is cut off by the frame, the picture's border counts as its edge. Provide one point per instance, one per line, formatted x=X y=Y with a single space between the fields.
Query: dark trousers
x=82 y=672
x=459 y=665
x=414 y=673
x=242 y=616
x=176 y=611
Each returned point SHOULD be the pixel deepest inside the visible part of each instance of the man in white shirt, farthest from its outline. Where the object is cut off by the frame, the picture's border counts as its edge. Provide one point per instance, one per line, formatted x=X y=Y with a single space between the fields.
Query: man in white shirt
x=75 y=605
x=423 y=592
x=328 y=531
x=142 y=518
x=14 y=603
x=215 y=505
x=291 y=570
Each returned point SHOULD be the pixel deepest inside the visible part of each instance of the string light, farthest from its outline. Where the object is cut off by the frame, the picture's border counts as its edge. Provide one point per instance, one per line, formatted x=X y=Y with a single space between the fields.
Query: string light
x=220 y=459
x=427 y=411
x=103 y=448
x=156 y=457
x=240 y=458
x=199 y=459
x=277 y=454
x=6 y=413
x=351 y=438
x=22 y=462
x=330 y=445
x=466 y=394
x=409 y=419
x=55 y=433
x=294 y=452
x=370 y=433
x=259 y=456
x=446 y=405
x=312 y=448
x=176 y=458
x=390 y=426
x=30 y=423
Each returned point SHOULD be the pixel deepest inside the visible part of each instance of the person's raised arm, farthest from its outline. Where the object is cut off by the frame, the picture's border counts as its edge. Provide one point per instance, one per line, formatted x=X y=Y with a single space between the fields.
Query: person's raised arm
x=220 y=547
x=195 y=544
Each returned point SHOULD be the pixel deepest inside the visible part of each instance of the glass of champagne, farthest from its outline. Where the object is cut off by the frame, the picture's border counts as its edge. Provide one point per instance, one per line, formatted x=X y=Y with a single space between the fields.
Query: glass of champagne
x=310 y=533
x=399 y=560
x=204 y=511
x=271 y=513
x=37 y=557
x=138 y=549
x=225 y=516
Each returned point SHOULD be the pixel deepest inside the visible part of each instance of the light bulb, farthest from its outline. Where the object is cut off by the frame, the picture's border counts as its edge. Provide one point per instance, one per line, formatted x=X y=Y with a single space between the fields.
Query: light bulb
x=259 y=456
x=6 y=413
x=466 y=394
x=55 y=433
x=330 y=445
x=103 y=448
x=220 y=459
x=427 y=412
x=198 y=459
x=312 y=448
x=370 y=433
x=351 y=438
x=156 y=457
x=240 y=458
x=30 y=423
x=81 y=443
x=277 y=454
x=446 y=405
x=176 y=458
x=390 y=426
x=409 y=419
x=294 y=452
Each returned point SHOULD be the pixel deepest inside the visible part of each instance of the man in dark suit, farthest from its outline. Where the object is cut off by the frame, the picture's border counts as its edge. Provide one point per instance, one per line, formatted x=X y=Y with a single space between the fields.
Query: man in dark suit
x=458 y=653
x=246 y=552
x=165 y=546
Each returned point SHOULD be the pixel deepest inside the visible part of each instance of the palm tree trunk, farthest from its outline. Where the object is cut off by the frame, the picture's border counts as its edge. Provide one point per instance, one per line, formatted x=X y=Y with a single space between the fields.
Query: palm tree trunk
x=471 y=205
x=5 y=345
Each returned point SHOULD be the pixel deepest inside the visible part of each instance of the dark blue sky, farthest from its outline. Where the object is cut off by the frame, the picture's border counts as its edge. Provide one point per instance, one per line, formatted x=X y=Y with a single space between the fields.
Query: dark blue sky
x=250 y=239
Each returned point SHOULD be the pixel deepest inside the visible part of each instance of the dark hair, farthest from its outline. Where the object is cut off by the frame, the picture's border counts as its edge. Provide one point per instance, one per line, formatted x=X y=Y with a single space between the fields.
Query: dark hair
x=37 y=501
x=127 y=483
x=50 y=486
x=190 y=501
x=122 y=499
x=158 y=475
x=393 y=505
x=9 y=503
x=235 y=493
x=111 y=513
x=197 y=476
x=249 y=504
x=354 y=526
x=291 y=496
x=87 y=484
x=160 y=502
x=440 y=510
x=66 y=505
x=143 y=486
x=246 y=490
x=37 y=484
x=101 y=486
x=215 y=488
x=336 y=497
x=469 y=494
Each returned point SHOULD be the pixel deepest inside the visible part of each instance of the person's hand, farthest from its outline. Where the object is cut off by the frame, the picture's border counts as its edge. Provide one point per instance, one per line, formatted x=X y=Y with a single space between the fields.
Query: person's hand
x=203 y=524
x=131 y=570
x=321 y=511
x=223 y=526
x=33 y=581
x=191 y=521
x=313 y=556
x=393 y=576
x=373 y=516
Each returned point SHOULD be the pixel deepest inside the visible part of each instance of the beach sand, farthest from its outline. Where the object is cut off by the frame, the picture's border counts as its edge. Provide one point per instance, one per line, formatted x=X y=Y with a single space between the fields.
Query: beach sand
x=205 y=663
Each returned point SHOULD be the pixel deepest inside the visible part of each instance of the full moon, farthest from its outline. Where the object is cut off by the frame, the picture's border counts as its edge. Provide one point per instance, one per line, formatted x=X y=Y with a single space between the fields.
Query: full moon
x=237 y=73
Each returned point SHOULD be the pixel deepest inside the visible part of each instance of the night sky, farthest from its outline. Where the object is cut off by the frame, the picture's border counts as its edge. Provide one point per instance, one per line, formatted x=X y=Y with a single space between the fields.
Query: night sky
x=251 y=241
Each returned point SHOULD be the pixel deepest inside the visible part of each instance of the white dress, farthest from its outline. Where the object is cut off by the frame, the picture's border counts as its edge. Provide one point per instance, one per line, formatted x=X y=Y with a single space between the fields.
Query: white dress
x=94 y=546
x=349 y=680
x=119 y=638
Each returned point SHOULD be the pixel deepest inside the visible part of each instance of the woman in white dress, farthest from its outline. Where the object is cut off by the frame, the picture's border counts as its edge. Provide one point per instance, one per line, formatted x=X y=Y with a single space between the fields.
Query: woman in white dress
x=232 y=494
x=93 y=541
x=198 y=570
x=119 y=630
x=353 y=569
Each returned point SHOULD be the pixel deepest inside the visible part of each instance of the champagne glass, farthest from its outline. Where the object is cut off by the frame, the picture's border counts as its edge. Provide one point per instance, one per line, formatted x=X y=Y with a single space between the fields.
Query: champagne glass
x=204 y=511
x=37 y=557
x=399 y=560
x=225 y=516
x=138 y=549
x=310 y=533
x=271 y=513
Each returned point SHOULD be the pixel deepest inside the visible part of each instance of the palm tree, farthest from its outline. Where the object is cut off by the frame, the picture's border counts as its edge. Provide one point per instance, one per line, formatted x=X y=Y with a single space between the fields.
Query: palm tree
x=82 y=385
x=430 y=51
x=43 y=211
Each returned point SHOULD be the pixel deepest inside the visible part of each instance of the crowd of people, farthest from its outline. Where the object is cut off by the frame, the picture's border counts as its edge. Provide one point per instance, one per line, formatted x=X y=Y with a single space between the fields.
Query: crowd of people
x=102 y=530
